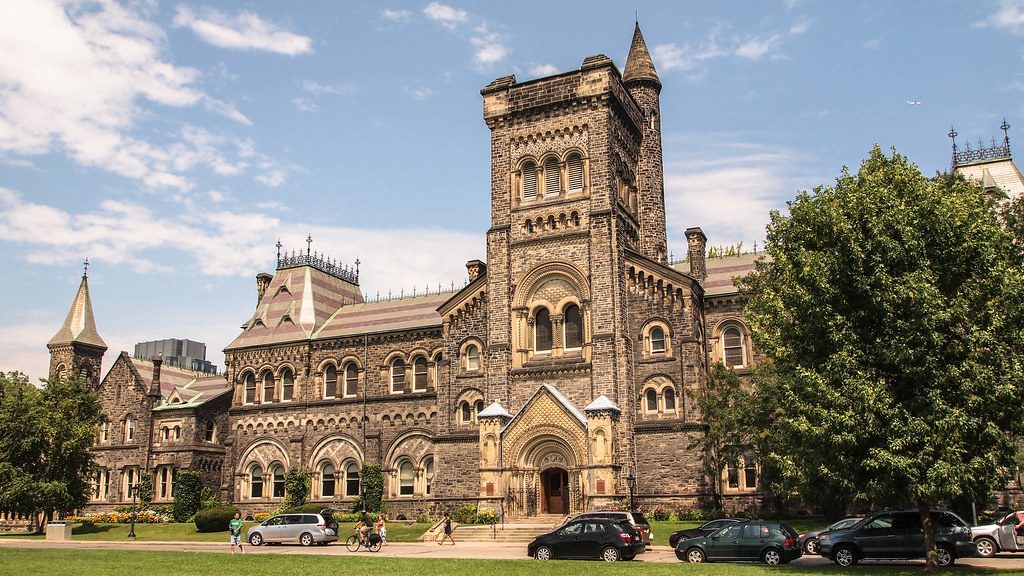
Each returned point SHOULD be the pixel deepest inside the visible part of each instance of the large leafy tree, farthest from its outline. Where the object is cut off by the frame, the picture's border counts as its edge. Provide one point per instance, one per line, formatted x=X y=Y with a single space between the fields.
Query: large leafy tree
x=45 y=435
x=890 y=313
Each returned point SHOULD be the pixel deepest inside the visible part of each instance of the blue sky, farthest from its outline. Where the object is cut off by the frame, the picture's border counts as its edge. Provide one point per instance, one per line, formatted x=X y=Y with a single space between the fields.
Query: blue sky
x=173 y=143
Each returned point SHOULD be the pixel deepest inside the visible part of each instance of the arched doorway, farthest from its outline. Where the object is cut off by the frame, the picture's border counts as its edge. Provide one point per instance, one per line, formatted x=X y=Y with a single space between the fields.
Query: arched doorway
x=554 y=484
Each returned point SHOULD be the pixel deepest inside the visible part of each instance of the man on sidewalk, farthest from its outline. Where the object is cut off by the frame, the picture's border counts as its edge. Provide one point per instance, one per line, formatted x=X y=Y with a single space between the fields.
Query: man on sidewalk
x=236 y=533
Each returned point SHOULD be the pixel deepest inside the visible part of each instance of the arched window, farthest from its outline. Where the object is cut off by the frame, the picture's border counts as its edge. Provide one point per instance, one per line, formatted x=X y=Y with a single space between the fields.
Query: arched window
x=542 y=330
x=573 y=327
x=529 y=181
x=732 y=347
x=268 y=387
x=330 y=381
x=428 y=475
x=287 y=385
x=574 y=173
x=657 y=340
x=165 y=433
x=670 y=400
x=419 y=374
x=105 y=433
x=552 y=179
x=351 y=380
x=177 y=432
x=327 y=480
x=211 y=431
x=652 y=400
x=406 y=478
x=250 y=388
x=352 y=479
x=256 y=481
x=129 y=428
x=465 y=413
x=472 y=358
x=131 y=479
x=397 y=375
x=478 y=408
x=277 y=476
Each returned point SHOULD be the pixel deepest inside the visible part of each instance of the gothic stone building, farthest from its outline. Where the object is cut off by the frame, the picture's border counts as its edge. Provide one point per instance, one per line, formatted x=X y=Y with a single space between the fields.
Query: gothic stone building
x=554 y=382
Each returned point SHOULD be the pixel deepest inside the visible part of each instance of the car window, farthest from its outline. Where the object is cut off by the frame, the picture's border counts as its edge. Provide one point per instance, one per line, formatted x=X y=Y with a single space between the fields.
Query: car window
x=310 y=519
x=571 y=530
x=713 y=525
x=845 y=523
x=947 y=519
x=879 y=522
x=291 y=520
x=906 y=521
x=789 y=531
x=755 y=531
x=638 y=518
x=593 y=528
x=275 y=521
x=1010 y=519
x=730 y=532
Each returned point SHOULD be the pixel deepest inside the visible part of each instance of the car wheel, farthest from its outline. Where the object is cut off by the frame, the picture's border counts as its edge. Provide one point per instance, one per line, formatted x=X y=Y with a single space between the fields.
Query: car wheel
x=542 y=553
x=306 y=539
x=610 y=554
x=811 y=546
x=771 y=557
x=695 y=556
x=844 y=556
x=986 y=547
x=945 y=556
x=256 y=539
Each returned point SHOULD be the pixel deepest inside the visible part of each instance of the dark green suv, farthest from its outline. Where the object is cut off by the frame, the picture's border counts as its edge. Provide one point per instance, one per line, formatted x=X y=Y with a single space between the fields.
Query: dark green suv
x=898 y=535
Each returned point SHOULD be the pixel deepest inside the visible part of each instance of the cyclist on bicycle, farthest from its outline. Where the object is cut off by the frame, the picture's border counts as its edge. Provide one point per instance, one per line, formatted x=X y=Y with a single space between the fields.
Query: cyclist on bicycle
x=365 y=524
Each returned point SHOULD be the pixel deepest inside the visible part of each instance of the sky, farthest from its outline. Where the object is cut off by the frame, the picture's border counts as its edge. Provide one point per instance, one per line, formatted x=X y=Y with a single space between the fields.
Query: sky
x=174 y=143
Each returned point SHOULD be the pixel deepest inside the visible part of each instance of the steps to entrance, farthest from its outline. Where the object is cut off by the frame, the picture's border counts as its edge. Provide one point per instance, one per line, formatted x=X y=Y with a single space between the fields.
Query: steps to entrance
x=514 y=531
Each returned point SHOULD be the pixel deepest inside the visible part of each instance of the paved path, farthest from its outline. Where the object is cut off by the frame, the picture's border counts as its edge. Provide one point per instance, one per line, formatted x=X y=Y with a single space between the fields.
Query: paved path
x=475 y=550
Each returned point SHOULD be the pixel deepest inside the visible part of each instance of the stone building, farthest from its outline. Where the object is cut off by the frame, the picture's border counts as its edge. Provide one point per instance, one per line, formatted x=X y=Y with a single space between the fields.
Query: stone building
x=554 y=382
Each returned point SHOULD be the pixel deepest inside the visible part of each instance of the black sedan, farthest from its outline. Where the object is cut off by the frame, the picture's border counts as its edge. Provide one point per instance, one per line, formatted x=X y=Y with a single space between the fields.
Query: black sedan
x=752 y=540
x=702 y=530
x=589 y=538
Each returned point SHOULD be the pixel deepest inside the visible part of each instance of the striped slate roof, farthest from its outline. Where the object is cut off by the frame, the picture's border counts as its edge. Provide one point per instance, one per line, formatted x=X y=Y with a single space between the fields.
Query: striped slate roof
x=186 y=387
x=721 y=272
x=297 y=303
x=369 y=317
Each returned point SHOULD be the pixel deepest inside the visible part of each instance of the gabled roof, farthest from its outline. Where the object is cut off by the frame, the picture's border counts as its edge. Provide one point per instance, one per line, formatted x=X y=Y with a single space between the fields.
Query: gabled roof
x=602 y=403
x=721 y=271
x=559 y=397
x=80 y=325
x=639 y=64
x=495 y=409
x=180 y=388
x=385 y=316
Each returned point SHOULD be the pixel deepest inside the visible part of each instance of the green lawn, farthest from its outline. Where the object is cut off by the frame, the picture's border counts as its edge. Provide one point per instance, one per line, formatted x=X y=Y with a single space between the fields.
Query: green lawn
x=184 y=532
x=135 y=563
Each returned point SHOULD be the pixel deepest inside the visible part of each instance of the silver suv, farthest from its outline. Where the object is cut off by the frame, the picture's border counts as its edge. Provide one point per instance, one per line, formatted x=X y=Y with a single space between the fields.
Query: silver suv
x=304 y=528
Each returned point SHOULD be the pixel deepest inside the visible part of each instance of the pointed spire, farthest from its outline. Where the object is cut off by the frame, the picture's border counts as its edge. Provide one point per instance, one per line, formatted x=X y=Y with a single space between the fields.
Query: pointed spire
x=639 y=64
x=80 y=325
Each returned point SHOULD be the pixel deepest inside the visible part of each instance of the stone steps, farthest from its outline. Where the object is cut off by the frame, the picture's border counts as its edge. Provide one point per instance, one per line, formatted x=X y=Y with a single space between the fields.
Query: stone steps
x=513 y=532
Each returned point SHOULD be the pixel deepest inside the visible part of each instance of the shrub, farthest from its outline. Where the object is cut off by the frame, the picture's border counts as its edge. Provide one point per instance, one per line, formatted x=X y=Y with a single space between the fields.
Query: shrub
x=309 y=508
x=296 y=485
x=215 y=519
x=260 y=516
x=188 y=494
x=661 y=514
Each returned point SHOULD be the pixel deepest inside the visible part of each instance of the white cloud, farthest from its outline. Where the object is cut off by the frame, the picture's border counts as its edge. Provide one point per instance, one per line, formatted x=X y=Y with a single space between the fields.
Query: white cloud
x=304 y=104
x=242 y=31
x=543 y=70
x=314 y=87
x=396 y=15
x=420 y=94
x=1010 y=15
x=694 y=56
x=226 y=110
x=445 y=15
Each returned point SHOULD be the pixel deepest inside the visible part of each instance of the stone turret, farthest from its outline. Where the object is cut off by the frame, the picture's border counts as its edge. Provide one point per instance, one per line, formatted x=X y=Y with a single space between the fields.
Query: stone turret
x=642 y=82
x=154 y=386
x=697 y=244
x=262 y=282
x=77 y=347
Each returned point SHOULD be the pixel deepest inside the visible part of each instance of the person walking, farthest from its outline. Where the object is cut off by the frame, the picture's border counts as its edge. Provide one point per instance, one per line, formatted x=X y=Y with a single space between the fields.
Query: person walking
x=448 y=529
x=235 y=526
x=382 y=529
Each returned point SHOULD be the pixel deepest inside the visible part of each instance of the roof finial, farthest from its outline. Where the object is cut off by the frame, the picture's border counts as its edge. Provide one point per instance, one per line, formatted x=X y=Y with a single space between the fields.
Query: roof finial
x=1006 y=134
x=309 y=244
x=278 y=249
x=85 y=273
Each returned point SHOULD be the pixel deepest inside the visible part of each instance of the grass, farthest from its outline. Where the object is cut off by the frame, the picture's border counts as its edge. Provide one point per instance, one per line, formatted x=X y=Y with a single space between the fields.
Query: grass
x=186 y=532
x=121 y=563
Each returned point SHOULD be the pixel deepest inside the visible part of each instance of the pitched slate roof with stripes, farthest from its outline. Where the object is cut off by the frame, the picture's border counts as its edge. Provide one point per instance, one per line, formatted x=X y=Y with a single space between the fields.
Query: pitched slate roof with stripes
x=187 y=387
x=721 y=272
x=369 y=317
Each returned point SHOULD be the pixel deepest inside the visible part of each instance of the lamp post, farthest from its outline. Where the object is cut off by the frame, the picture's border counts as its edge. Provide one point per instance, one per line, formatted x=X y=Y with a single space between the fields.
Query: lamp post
x=631 y=483
x=134 y=491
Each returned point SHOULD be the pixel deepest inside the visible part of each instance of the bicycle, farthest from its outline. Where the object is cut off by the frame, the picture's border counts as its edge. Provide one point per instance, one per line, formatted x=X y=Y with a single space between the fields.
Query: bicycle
x=372 y=543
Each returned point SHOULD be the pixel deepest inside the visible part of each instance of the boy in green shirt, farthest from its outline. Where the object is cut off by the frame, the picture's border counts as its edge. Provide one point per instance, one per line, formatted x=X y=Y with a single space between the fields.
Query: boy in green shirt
x=236 y=533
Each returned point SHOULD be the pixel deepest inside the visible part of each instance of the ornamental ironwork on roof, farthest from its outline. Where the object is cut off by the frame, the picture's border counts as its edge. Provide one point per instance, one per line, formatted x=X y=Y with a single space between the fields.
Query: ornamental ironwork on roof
x=982 y=153
x=318 y=261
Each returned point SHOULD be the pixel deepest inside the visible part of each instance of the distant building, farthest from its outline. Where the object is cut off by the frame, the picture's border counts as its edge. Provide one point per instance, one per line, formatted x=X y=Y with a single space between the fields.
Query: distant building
x=990 y=167
x=186 y=354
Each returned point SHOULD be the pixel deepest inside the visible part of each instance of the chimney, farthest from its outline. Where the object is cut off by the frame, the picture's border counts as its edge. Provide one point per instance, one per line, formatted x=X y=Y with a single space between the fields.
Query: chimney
x=475 y=268
x=697 y=244
x=262 y=282
x=154 y=386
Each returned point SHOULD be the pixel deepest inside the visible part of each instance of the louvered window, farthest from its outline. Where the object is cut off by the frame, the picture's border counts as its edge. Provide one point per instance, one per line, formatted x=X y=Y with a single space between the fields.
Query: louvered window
x=575 y=173
x=552 y=179
x=529 y=181
x=573 y=327
x=542 y=330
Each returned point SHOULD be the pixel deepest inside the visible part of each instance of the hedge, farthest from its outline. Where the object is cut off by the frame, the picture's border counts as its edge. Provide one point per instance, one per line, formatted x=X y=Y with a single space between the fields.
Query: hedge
x=215 y=519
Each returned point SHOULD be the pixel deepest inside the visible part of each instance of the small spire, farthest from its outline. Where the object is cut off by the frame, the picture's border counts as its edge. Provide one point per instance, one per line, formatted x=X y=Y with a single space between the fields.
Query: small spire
x=357 y=269
x=85 y=272
x=309 y=244
x=278 y=249
x=1006 y=134
x=639 y=64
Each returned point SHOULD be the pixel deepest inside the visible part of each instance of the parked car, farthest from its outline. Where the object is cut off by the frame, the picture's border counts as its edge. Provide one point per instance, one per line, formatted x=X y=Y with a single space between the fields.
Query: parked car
x=748 y=540
x=898 y=534
x=635 y=518
x=998 y=537
x=809 y=540
x=589 y=538
x=702 y=530
x=304 y=528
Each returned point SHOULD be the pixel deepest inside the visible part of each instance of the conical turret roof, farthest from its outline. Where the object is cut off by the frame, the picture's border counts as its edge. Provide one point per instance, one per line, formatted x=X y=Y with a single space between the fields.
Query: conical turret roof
x=639 y=64
x=80 y=325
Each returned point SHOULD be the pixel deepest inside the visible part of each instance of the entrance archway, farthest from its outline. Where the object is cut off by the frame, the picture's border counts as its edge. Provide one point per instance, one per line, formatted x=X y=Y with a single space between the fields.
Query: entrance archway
x=554 y=485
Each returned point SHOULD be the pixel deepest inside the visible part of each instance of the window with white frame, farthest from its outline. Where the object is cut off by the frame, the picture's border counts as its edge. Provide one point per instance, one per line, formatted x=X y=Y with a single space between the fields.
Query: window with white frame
x=732 y=347
x=472 y=358
x=330 y=381
x=287 y=385
x=100 y=484
x=420 y=374
x=406 y=478
x=428 y=475
x=465 y=412
x=268 y=387
x=250 y=388
x=165 y=482
x=741 y=474
x=351 y=380
x=397 y=376
x=651 y=401
x=130 y=479
x=256 y=481
x=352 y=478
x=657 y=340
x=129 y=428
x=105 y=432
x=277 y=478
x=327 y=480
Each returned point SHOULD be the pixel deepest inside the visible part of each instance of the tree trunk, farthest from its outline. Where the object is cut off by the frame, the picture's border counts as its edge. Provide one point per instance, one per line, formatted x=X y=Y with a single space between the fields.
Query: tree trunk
x=931 y=554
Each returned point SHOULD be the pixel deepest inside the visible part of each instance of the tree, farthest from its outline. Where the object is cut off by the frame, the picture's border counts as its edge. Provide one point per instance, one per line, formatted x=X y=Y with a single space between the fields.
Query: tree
x=890 y=313
x=725 y=405
x=296 y=485
x=45 y=435
x=188 y=495
x=372 y=495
